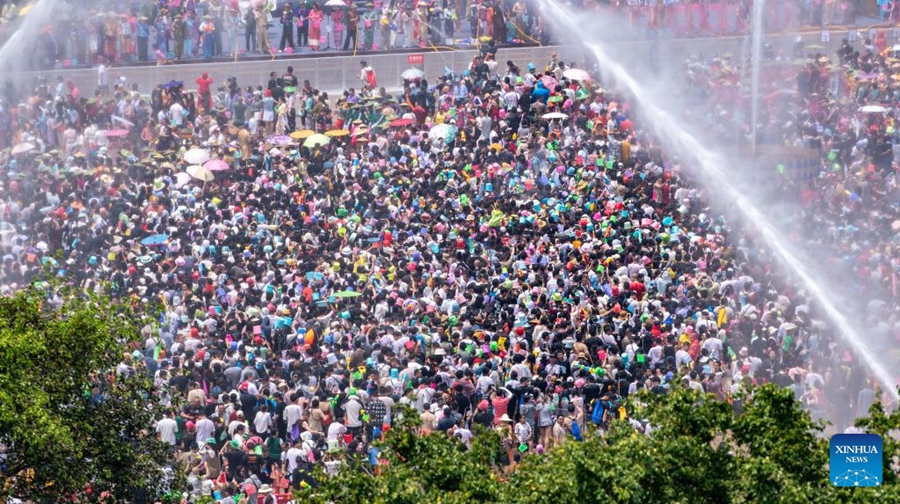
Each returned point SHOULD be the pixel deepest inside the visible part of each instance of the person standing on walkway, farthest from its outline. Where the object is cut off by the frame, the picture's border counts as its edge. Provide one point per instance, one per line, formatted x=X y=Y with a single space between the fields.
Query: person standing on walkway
x=250 y=30
x=179 y=33
x=302 y=20
x=208 y=34
x=352 y=30
x=143 y=38
x=369 y=18
x=337 y=22
x=315 y=26
x=262 y=30
x=287 y=27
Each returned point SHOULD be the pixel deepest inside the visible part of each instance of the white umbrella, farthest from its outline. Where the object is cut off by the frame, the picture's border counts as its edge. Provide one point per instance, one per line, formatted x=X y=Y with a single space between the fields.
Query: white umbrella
x=23 y=147
x=335 y=3
x=200 y=173
x=445 y=132
x=576 y=74
x=413 y=74
x=182 y=179
x=555 y=115
x=873 y=109
x=196 y=156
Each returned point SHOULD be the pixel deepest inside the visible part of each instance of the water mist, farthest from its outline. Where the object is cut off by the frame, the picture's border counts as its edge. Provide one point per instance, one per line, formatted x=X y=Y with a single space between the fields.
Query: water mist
x=13 y=51
x=716 y=171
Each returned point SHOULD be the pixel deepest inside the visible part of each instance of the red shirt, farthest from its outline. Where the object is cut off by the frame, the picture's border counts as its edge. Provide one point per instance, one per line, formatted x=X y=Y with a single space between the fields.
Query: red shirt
x=203 y=84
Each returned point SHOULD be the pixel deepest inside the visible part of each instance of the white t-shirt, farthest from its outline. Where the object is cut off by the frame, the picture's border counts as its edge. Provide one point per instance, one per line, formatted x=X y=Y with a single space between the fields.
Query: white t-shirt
x=166 y=428
x=262 y=422
x=205 y=429
x=335 y=431
x=292 y=415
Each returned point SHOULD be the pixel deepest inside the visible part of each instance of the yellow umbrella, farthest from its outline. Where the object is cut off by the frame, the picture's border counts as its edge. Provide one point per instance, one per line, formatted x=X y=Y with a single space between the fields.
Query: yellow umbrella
x=360 y=130
x=302 y=134
x=316 y=140
x=337 y=133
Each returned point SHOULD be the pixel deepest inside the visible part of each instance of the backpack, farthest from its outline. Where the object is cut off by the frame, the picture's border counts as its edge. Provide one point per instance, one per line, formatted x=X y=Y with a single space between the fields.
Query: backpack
x=597 y=414
x=575 y=429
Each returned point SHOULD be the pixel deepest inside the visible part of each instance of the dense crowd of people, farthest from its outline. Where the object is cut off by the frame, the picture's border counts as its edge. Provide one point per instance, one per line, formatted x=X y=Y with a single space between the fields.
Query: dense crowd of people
x=503 y=246
x=99 y=31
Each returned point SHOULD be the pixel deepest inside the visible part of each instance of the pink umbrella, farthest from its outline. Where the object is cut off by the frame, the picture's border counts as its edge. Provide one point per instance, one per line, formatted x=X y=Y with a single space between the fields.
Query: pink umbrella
x=116 y=133
x=216 y=165
x=549 y=81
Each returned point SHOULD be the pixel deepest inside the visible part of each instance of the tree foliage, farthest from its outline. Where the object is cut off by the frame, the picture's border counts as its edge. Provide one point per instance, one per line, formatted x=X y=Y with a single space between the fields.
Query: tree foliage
x=69 y=425
x=698 y=452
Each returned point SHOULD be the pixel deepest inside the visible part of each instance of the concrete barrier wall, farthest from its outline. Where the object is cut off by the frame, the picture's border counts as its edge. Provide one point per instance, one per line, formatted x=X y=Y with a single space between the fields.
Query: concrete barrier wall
x=336 y=73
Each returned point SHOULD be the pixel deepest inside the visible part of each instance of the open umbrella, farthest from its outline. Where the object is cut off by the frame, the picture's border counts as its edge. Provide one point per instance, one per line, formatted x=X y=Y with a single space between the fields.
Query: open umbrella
x=196 y=156
x=216 y=165
x=399 y=123
x=22 y=148
x=113 y=133
x=316 y=140
x=413 y=74
x=360 y=131
x=555 y=115
x=335 y=3
x=445 y=132
x=873 y=109
x=347 y=294
x=200 y=173
x=157 y=239
x=182 y=179
x=549 y=81
x=576 y=74
x=302 y=134
x=172 y=84
x=279 y=139
x=337 y=133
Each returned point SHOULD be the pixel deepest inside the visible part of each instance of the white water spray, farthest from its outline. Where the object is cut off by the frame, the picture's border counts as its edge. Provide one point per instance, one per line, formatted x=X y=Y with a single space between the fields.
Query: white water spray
x=15 y=48
x=759 y=7
x=711 y=163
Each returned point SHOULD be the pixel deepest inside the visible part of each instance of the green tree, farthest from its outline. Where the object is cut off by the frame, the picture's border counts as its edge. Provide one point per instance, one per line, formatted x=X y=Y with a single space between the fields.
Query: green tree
x=698 y=451
x=69 y=425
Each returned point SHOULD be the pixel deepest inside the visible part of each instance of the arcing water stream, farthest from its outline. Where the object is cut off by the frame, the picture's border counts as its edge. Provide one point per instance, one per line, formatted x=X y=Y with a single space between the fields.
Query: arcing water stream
x=39 y=16
x=712 y=165
x=759 y=7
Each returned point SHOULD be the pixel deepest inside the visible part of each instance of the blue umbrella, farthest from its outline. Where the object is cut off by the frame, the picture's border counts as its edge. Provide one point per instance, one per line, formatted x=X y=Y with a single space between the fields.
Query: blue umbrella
x=155 y=240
